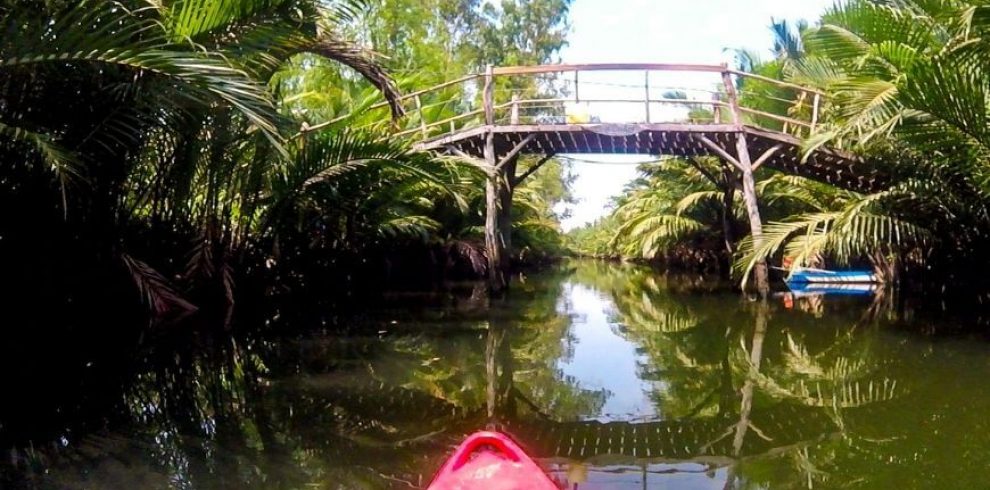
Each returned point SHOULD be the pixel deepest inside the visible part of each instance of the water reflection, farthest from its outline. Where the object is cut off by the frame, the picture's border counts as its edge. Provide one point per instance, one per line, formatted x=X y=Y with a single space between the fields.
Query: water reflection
x=603 y=358
x=614 y=376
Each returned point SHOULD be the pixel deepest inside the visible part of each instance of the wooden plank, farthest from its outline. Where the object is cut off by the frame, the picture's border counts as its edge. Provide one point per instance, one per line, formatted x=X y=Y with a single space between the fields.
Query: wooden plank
x=515 y=150
x=660 y=100
x=774 y=81
x=582 y=128
x=448 y=120
x=384 y=104
x=441 y=86
x=775 y=117
x=529 y=70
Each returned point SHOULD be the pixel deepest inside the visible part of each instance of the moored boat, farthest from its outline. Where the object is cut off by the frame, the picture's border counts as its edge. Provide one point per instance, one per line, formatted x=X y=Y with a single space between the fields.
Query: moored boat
x=810 y=275
x=490 y=461
x=799 y=289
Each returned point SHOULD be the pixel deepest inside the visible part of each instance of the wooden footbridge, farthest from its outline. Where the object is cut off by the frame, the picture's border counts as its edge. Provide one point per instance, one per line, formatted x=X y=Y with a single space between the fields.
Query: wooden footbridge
x=494 y=118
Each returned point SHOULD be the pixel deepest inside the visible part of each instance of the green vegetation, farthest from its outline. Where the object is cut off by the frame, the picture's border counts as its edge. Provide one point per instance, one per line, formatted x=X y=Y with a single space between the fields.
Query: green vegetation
x=169 y=148
x=905 y=85
x=157 y=145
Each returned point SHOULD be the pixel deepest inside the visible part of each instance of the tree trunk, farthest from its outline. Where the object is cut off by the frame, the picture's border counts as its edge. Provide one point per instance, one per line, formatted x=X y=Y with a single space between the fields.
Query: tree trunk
x=498 y=192
x=728 y=202
x=495 y=245
x=753 y=210
x=749 y=183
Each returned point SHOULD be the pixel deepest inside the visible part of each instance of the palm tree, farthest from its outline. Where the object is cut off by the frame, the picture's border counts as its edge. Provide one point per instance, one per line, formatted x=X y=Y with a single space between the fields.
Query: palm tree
x=905 y=87
x=157 y=121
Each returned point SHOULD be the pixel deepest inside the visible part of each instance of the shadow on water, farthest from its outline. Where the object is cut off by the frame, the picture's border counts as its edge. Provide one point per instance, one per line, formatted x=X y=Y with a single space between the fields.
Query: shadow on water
x=614 y=376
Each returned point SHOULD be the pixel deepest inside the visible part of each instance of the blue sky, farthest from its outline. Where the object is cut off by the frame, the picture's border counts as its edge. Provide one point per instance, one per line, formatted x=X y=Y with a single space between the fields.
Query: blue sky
x=661 y=31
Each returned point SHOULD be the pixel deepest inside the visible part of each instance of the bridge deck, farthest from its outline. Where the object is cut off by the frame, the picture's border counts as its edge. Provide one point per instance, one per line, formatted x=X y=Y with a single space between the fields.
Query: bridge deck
x=675 y=139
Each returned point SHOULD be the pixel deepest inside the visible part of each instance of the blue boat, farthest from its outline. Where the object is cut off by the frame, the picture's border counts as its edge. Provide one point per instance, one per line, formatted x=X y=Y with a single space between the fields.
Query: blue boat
x=821 y=276
x=803 y=289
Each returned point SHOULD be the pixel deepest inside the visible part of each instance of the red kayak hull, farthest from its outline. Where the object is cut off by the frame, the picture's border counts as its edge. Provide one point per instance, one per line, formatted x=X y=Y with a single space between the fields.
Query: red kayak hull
x=491 y=461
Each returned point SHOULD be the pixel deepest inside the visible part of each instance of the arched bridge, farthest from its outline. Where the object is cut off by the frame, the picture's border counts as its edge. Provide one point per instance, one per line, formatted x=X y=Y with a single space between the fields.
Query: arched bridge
x=746 y=120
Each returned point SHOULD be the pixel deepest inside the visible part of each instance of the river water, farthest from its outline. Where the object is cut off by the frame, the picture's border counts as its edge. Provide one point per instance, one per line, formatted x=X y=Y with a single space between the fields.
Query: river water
x=613 y=376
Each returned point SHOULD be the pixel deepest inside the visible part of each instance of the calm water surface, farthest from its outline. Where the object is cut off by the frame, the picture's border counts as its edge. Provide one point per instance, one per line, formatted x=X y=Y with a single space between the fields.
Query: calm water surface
x=614 y=376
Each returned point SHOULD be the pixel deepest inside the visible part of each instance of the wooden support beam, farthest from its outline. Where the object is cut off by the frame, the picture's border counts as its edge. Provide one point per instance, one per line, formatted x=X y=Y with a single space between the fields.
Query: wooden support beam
x=577 y=87
x=419 y=111
x=766 y=156
x=814 y=111
x=531 y=70
x=515 y=151
x=488 y=96
x=514 y=110
x=498 y=206
x=473 y=160
x=646 y=85
x=719 y=151
x=716 y=108
x=532 y=169
x=760 y=272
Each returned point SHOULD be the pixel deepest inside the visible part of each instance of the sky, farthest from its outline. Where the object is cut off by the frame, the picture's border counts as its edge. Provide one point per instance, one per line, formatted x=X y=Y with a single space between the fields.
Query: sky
x=657 y=31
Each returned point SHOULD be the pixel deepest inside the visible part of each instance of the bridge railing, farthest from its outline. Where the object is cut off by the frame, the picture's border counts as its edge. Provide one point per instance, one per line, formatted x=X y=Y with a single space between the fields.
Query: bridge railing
x=591 y=93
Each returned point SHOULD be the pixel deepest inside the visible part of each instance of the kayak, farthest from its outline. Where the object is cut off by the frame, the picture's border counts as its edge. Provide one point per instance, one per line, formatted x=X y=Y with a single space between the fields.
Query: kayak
x=809 y=275
x=490 y=461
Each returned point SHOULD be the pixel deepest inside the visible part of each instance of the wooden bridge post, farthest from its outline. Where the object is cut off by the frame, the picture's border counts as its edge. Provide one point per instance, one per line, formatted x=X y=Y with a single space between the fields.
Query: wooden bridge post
x=514 y=110
x=749 y=183
x=498 y=198
x=646 y=85
x=422 y=120
x=716 y=108
x=816 y=102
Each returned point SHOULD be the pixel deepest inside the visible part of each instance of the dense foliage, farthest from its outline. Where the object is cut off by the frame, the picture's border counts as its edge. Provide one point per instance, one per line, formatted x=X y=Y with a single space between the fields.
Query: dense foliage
x=157 y=144
x=906 y=88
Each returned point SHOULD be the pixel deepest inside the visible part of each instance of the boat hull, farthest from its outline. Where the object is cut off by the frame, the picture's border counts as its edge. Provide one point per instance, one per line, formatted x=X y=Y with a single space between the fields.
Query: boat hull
x=832 y=289
x=819 y=276
x=491 y=461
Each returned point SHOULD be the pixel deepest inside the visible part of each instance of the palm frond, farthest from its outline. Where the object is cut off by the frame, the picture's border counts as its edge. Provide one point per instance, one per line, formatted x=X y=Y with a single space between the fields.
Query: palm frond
x=63 y=164
x=156 y=291
x=110 y=34
x=844 y=234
